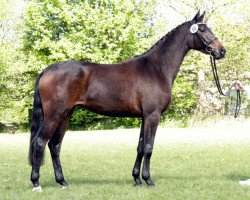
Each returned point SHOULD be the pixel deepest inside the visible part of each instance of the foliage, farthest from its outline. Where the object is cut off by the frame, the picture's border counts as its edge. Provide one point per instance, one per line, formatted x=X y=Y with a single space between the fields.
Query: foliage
x=110 y=31
x=230 y=21
x=13 y=82
x=99 y=31
x=83 y=119
x=184 y=95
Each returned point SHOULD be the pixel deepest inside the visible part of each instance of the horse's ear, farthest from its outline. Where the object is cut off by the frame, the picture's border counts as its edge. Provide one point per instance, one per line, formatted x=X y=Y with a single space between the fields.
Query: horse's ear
x=196 y=17
x=201 y=18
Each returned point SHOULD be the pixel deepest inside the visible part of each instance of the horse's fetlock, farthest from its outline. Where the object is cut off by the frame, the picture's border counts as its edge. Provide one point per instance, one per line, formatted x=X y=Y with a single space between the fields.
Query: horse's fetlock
x=59 y=176
x=34 y=176
x=136 y=172
x=145 y=175
x=59 y=179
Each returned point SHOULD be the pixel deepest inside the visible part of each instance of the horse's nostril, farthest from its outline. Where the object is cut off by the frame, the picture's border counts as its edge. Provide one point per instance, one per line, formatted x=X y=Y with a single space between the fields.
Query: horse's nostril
x=223 y=51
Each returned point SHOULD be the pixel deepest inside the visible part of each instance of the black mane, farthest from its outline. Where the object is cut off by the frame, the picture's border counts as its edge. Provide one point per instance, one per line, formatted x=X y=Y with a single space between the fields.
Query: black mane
x=161 y=40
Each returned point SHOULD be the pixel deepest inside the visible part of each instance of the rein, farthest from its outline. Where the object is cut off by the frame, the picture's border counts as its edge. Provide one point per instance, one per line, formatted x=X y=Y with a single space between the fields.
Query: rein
x=228 y=93
x=194 y=29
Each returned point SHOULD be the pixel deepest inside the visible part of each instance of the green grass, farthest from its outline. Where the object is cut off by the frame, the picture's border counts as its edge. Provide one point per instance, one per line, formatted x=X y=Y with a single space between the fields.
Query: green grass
x=103 y=171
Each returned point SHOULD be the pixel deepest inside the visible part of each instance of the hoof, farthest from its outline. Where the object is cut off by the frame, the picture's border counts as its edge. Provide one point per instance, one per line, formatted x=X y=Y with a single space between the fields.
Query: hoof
x=64 y=187
x=63 y=184
x=37 y=189
x=137 y=181
x=149 y=182
x=137 y=185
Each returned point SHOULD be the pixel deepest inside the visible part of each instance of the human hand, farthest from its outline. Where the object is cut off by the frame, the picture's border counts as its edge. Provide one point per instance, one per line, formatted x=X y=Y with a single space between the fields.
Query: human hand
x=239 y=86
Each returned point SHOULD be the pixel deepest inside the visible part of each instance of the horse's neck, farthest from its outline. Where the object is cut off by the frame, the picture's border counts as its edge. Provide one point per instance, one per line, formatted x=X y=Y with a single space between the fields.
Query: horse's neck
x=170 y=53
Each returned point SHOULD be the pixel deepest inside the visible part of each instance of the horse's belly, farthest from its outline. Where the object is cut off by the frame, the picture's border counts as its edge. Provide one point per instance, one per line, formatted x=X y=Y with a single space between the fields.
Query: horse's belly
x=114 y=110
x=111 y=100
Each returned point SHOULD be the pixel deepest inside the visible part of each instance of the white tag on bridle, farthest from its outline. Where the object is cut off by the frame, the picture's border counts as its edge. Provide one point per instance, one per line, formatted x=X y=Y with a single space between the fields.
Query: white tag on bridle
x=194 y=28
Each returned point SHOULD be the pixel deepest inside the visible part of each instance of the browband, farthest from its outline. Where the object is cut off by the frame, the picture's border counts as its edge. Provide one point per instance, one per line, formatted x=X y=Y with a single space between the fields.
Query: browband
x=195 y=27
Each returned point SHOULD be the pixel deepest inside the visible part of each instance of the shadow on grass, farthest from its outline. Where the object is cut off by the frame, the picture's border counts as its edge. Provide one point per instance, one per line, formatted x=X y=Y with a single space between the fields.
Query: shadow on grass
x=189 y=178
x=83 y=181
x=233 y=177
x=237 y=177
x=89 y=181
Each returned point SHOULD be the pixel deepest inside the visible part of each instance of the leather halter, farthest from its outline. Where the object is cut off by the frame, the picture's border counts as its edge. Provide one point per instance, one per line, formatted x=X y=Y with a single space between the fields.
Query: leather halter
x=205 y=41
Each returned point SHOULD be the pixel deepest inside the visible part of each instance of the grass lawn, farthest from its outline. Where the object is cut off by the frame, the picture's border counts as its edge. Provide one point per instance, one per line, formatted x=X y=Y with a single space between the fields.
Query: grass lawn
x=100 y=170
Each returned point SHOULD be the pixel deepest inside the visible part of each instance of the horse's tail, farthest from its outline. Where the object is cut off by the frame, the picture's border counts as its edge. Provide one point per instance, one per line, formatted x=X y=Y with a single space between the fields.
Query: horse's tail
x=37 y=119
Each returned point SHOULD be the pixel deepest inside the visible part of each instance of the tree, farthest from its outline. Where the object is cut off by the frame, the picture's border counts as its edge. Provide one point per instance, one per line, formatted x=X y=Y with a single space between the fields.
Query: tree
x=109 y=31
x=104 y=31
x=11 y=65
x=229 y=20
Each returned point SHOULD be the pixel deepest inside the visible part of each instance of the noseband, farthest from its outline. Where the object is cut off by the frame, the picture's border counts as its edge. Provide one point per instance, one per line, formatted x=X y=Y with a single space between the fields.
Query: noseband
x=209 y=49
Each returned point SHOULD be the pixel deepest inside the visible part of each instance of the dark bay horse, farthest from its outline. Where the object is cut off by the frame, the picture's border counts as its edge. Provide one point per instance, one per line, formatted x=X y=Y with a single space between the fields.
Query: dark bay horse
x=138 y=87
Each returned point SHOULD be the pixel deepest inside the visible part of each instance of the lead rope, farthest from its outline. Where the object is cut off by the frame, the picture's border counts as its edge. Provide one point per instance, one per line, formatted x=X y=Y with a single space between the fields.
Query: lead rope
x=228 y=93
x=238 y=104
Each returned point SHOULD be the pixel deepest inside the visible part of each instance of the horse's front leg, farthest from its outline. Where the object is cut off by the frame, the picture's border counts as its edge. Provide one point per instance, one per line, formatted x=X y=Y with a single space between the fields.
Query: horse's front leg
x=137 y=166
x=150 y=126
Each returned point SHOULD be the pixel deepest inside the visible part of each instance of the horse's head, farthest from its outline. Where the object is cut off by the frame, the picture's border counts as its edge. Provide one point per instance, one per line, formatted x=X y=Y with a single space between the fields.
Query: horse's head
x=203 y=38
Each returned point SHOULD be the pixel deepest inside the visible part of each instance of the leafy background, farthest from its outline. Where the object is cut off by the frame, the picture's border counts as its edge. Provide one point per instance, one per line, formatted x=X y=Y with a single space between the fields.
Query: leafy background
x=34 y=34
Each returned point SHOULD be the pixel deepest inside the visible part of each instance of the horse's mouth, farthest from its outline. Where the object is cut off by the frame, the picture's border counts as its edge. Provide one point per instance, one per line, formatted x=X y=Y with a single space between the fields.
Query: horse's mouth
x=218 y=53
x=217 y=56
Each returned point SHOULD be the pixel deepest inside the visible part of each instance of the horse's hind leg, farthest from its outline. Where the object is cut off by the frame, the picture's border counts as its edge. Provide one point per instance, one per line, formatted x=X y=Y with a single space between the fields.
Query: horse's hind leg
x=55 y=148
x=39 y=142
x=39 y=145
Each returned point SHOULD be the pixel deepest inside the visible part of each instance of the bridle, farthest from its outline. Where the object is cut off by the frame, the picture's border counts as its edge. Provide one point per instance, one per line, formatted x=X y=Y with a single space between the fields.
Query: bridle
x=194 y=29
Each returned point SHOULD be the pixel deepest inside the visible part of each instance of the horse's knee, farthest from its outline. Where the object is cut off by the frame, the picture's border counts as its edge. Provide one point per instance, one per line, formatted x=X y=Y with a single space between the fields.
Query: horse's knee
x=54 y=149
x=140 y=150
x=148 y=149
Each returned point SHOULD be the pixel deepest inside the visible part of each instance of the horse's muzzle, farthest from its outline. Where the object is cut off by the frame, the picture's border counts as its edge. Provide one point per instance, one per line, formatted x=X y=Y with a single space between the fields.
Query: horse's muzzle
x=219 y=54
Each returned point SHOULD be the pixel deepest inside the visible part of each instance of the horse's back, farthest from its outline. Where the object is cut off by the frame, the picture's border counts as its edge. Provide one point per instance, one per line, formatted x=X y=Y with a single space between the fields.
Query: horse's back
x=102 y=88
x=108 y=89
